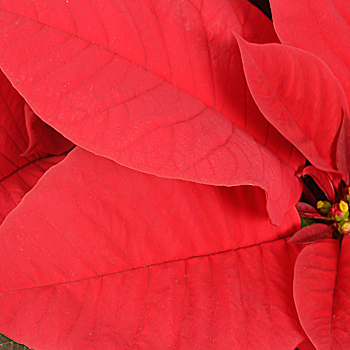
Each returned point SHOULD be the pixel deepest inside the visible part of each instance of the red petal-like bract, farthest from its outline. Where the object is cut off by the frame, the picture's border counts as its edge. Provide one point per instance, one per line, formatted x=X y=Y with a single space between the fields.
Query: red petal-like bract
x=16 y=185
x=324 y=33
x=88 y=262
x=312 y=233
x=19 y=172
x=321 y=293
x=322 y=180
x=343 y=150
x=158 y=86
x=308 y=211
x=299 y=95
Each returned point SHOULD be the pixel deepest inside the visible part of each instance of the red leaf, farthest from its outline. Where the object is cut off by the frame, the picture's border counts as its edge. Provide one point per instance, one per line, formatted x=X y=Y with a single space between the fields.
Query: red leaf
x=343 y=150
x=322 y=180
x=13 y=132
x=16 y=185
x=312 y=233
x=299 y=95
x=324 y=33
x=321 y=293
x=307 y=211
x=157 y=87
x=19 y=172
x=327 y=21
x=86 y=264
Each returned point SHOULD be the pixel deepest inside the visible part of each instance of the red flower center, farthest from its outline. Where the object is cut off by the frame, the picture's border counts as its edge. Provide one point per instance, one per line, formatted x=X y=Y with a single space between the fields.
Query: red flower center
x=325 y=200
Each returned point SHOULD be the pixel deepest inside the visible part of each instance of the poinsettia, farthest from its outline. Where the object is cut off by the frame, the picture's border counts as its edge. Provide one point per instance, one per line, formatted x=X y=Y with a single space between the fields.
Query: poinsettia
x=168 y=225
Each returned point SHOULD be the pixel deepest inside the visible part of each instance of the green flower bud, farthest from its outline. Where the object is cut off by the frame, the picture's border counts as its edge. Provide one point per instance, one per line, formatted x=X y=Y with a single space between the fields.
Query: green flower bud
x=344 y=228
x=324 y=207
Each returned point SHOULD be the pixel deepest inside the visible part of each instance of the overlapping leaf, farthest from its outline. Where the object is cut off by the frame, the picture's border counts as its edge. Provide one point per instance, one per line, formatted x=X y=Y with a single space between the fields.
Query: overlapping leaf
x=312 y=233
x=324 y=33
x=321 y=292
x=300 y=96
x=157 y=86
x=23 y=158
x=321 y=275
x=89 y=262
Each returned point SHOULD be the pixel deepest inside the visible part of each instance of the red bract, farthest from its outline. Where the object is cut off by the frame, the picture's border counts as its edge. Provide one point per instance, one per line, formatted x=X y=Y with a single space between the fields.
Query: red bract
x=306 y=99
x=150 y=235
x=28 y=147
